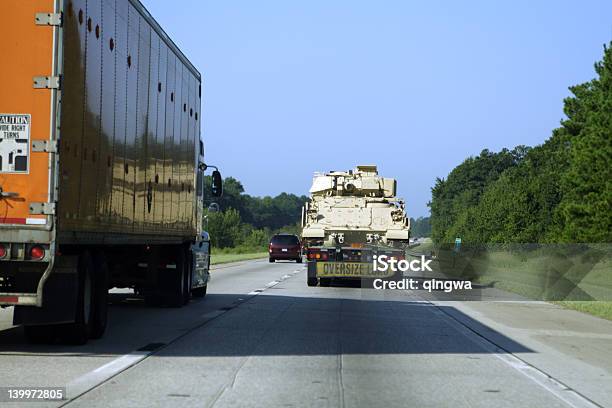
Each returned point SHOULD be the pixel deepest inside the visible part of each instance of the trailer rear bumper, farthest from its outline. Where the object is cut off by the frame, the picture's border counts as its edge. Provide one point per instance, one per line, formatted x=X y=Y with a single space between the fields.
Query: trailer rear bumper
x=42 y=293
x=14 y=299
x=60 y=299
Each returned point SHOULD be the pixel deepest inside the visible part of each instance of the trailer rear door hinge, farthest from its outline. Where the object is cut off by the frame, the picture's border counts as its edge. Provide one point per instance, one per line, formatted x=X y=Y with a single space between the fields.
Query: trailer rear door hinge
x=42 y=208
x=46 y=82
x=48 y=19
x=45 y=146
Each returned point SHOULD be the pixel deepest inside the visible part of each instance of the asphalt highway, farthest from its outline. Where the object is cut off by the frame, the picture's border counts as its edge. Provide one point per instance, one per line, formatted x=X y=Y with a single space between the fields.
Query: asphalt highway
x=262 y=338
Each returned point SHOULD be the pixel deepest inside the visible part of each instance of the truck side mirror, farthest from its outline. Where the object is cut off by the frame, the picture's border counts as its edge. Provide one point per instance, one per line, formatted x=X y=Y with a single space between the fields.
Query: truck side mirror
x=217 y=184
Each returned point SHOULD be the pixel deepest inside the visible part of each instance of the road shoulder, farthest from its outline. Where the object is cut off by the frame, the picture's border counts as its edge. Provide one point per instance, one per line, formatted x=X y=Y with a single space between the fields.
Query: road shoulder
x=570 y=346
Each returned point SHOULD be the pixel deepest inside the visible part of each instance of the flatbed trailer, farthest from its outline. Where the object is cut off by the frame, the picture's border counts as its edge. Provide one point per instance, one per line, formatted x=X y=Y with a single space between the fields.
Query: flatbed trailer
x=101 y=165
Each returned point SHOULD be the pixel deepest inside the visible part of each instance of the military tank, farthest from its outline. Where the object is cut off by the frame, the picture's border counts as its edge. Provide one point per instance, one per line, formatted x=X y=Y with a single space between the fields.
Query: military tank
x=352 y=216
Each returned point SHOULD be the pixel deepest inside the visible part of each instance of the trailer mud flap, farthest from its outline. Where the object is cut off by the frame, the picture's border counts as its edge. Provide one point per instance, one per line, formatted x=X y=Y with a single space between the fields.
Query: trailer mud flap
x=312 y=270
x=59 y=297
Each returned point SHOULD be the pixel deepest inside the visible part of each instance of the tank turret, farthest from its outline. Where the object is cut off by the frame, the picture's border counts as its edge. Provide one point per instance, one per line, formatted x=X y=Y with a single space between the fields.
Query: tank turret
x=364 y=181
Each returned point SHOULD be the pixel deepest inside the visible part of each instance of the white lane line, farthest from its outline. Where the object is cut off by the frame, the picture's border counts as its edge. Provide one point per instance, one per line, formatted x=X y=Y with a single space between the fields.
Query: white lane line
x=550 y=384
x=92 y=379
x=272 y=284
x=557 y=388
x=101 y=374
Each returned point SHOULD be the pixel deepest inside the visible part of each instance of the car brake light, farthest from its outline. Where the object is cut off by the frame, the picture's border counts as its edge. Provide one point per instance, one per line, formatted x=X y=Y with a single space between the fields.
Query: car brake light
x=37 y=253
x=3 y=251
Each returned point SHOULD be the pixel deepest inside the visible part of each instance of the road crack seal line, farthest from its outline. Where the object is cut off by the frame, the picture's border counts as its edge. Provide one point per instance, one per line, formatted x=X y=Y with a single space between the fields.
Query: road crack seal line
x=245 y=359
x=560 y=390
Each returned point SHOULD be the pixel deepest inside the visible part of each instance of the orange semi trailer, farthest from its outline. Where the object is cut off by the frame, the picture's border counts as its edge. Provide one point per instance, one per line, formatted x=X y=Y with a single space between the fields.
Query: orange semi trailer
x=101 y=165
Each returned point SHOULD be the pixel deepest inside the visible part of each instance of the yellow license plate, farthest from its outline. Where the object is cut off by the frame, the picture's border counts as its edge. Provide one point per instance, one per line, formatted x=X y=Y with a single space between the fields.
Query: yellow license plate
x=349 y=269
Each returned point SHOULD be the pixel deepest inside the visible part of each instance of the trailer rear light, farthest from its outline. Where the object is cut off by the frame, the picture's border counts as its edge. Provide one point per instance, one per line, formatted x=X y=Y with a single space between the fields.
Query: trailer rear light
x=3 y=251
x=317 y=255
x=37 y=253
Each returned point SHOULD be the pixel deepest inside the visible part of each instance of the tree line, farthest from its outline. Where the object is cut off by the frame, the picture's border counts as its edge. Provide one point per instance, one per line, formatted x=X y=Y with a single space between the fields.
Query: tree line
x=246 y=222
x=420 y=227
x=556 y=192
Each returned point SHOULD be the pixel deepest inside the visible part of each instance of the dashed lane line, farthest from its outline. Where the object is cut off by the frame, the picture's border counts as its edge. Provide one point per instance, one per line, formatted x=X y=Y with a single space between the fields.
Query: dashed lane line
x=95 y=378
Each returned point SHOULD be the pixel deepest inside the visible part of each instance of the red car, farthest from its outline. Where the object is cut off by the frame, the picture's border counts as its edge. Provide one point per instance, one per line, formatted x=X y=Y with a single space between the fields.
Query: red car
x=285 y=247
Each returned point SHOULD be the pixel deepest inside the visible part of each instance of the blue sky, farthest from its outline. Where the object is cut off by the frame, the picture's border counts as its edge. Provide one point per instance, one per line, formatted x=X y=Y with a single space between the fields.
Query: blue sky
x=293 y=87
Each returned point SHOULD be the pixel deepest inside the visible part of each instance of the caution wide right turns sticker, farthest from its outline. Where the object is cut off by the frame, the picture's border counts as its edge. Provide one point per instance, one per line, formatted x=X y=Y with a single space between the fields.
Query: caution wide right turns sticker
x=14 y=143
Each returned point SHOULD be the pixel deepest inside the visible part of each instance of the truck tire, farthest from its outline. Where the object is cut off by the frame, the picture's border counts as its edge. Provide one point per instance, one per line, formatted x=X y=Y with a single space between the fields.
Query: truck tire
x=325 y=282
x=78 y=333
x=200 y=292
x=312 y=281
x=100 y=296
x=187 y=278
x=175 y=294
x=153 y=291
x=271 y=260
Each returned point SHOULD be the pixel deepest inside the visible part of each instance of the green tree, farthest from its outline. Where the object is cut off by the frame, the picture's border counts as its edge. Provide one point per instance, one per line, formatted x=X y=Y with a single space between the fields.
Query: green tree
x=586 y=207
x=420 y=227
x=224 y=228
x=560 y=191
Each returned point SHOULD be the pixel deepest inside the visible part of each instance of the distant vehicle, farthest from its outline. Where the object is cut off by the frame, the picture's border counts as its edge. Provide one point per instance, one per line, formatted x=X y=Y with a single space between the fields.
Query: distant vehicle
x=285 y=247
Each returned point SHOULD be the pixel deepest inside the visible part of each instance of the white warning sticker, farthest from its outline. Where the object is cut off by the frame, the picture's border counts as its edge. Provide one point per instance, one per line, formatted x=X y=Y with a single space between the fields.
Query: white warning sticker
x=14 y=143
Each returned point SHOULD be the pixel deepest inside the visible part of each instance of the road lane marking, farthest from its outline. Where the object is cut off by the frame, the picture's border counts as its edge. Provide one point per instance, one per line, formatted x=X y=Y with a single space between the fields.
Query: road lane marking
x=90 y=380
x=563 y=392
x=93 y=379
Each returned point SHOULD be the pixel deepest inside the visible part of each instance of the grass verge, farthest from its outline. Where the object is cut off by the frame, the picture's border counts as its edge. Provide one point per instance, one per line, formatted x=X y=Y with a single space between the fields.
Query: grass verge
x=217 y=259
x=596 y=308
x=578 y=279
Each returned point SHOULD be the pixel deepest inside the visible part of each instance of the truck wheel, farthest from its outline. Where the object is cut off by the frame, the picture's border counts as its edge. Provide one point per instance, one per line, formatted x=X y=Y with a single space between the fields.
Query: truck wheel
x=312 y=281
x=175 y=296
x=79 y=332
x=100 y=296
x=325 y=282
x=271 y=260
x=187 y=277
x=200 y=292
